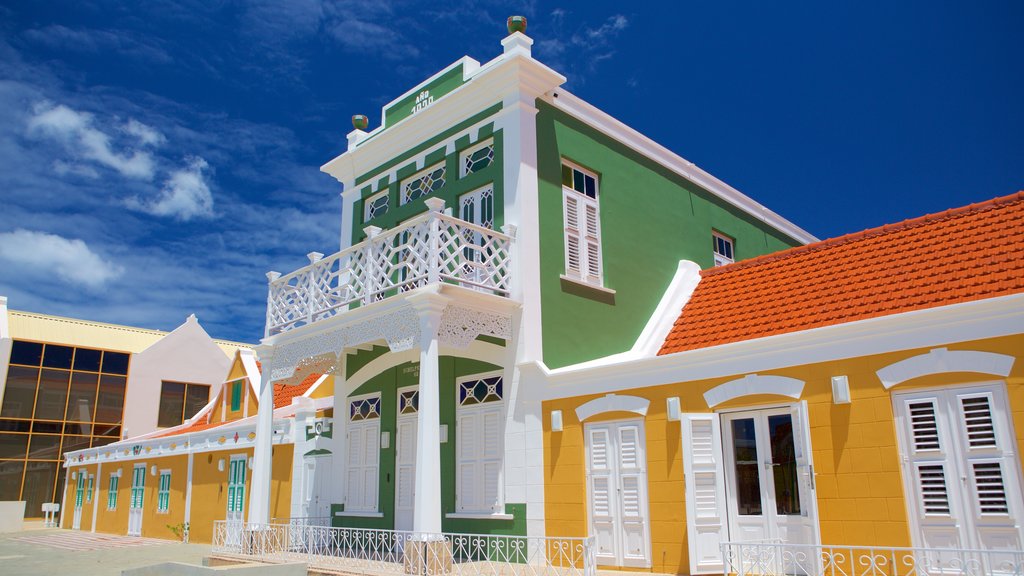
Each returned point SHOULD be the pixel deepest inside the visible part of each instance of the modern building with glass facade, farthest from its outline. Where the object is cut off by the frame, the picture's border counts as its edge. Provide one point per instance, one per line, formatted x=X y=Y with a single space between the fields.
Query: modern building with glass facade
x=69 y=384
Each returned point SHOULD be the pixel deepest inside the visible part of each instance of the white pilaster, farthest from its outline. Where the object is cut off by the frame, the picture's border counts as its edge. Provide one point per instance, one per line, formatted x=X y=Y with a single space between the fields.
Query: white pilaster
x=188 y=487
x=426 y=518
x=259 y=494
x=96 y=494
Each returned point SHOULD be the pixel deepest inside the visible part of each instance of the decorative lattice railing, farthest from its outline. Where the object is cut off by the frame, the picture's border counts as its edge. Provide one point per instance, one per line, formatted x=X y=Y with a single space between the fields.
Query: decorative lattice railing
x=778 y=559
x=430 y=248
x=386 y=552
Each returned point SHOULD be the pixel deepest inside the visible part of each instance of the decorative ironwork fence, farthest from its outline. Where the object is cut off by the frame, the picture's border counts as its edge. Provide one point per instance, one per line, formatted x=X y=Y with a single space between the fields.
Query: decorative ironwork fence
x=777 y=559
x=432 y=247
x=385 y=552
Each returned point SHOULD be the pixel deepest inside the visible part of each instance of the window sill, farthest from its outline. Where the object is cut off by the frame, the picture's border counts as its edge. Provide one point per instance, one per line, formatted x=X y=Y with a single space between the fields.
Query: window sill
x=360 y=514
x=587 y=284
x=483 y=516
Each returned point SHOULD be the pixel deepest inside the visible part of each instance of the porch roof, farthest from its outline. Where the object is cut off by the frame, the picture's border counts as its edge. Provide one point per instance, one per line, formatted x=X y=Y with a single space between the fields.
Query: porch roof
x=960 y=255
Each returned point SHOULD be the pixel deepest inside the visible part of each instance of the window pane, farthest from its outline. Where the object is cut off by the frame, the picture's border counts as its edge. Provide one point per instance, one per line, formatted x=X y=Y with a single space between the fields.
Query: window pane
x=566 y=176
x=787 y=491
x=57 y=357
x=72 y=443
x=577 y=181
x=10 y=480
x=172 y=400
x=20 y=394
x=115 y=363
x=108 y=430
x=748 y=479
x=86 y=359
x=78 y=428
x=15 y=425
x=82 y=398
x=47 y=427
x=39 y=481
x=196 y=397
x=591 y=187
x=44 y=447
x=102 y=441
x=28 y=353
x=53 y=394
x=111 y=398
x=13 y=445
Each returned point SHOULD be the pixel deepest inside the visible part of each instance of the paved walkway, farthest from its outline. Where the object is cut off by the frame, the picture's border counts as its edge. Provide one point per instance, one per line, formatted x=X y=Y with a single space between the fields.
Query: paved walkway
x=57 y=552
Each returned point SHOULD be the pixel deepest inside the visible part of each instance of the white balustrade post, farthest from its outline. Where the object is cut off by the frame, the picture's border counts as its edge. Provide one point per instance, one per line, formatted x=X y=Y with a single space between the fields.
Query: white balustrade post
x=436 y=207
x=311 y=286
x=370 y=283
x=426 y=518
x=259 y=494
x=272 y=277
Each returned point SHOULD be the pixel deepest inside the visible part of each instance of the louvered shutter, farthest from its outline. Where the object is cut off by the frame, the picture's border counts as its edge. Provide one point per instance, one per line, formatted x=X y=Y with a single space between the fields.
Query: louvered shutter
x=802 y=450
x=404 y=475
x=603 y=501
x=467 y=498
x=592 y=238
x=573 y=240
x=632 y=493
x=490 y=459
x=706 y=525
x=371 y=435
x=355 y=467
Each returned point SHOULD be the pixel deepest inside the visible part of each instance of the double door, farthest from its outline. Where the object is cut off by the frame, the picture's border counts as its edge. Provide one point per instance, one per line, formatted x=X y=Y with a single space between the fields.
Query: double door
x=617 y=492
x=769 y=481
x=137 y=499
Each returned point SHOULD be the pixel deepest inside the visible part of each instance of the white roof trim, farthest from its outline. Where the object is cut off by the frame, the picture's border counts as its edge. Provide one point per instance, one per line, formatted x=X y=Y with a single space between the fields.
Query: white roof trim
x=602 y=121
x=678 y=293
x=942 y=360
x=252 y=371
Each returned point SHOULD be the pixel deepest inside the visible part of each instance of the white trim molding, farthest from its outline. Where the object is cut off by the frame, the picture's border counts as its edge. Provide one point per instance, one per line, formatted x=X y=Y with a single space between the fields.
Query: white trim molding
x=942 y=360
x=754 y=384
x=678 y=293
x=612 y=403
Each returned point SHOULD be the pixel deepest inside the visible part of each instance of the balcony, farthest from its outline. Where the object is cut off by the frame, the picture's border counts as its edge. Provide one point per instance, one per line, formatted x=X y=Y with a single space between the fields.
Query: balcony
x=433 y=247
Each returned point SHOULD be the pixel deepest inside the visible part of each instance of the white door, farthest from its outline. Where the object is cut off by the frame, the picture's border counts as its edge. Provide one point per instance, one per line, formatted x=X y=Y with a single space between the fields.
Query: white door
x=137 y=499
x=79 y=496
x=316 y=504
x=405 y=458
x=477 y=207
x=959 y=468
x=617 y=492
x=769 y=485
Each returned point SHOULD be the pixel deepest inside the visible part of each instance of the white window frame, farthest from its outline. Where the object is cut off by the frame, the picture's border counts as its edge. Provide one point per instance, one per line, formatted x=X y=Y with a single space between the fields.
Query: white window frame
x=403 y=191
x=722 y=259
x=465 y=154
x=112 y=488
x=160 y=492
x=586 y=240
x=368 y=203
x=479 y=410
x=369 y=424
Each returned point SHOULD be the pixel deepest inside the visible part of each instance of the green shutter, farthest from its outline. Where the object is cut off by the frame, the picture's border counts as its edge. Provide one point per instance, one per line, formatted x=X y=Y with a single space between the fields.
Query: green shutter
x=236 y=395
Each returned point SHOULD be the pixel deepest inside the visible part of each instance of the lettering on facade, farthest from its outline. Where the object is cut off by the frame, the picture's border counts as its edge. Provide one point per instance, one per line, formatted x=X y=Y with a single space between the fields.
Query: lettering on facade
x=422 y=101
x=415 y=370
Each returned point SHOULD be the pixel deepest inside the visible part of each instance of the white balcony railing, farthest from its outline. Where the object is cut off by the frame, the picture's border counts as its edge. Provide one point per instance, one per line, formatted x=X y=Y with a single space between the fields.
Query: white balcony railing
x=777 y=559
x=387 y=552
x=430 y=248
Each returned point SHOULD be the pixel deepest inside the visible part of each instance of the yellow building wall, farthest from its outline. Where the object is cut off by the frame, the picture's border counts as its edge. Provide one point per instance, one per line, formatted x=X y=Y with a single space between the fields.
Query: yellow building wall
x=157 y=524
x=69 y=498
x=210 y=486
x=115 y=521
x=859 y=487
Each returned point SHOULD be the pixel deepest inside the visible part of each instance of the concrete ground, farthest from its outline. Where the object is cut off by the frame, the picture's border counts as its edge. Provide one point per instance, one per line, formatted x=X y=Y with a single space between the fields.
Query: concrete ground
x=53 y=552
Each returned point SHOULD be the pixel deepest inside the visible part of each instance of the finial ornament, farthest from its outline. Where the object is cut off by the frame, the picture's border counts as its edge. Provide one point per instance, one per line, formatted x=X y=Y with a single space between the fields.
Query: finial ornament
x=360 y=122
x=516 y=24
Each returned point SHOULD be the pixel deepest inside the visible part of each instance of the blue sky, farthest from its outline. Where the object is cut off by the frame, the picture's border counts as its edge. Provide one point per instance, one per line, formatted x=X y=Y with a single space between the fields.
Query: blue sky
x=157 y=158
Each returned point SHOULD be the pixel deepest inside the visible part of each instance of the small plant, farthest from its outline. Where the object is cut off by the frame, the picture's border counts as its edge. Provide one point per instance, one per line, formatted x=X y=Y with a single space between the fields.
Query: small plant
x=179 y=530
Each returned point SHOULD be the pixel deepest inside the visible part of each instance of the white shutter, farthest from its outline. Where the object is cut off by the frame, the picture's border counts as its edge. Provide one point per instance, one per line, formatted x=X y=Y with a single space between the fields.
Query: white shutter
x=363 y=474
x=468 y=488
x=490 y=459
x=633 y=494
x=802 y=449
x=593 y=241
x=404 y=475
x=573 y=242
x=355 y=472
x=600 y=475
x=706 y=526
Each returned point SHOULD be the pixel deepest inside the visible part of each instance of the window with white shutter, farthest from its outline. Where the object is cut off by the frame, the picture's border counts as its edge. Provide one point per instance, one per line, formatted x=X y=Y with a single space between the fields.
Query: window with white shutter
x=582 y=218
x=363 y=454
x=479 y=445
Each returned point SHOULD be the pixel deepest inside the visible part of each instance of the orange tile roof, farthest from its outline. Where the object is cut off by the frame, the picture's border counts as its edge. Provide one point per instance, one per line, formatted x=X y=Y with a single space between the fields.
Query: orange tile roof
x=959 y=255
x=282 y=397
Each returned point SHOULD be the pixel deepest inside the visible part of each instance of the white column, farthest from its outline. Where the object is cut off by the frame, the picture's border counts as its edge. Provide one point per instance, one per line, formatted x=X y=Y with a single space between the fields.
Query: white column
x=96 y=494
x=188 y=490
x=259 y=493
x=426 y=519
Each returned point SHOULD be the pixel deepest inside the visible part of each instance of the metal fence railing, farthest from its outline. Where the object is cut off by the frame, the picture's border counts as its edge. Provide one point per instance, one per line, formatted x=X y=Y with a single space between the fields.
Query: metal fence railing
x=773 y=558
x=386 y=552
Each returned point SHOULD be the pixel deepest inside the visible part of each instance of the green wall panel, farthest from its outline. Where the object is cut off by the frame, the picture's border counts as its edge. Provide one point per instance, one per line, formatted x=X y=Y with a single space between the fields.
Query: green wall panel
x=650 y=219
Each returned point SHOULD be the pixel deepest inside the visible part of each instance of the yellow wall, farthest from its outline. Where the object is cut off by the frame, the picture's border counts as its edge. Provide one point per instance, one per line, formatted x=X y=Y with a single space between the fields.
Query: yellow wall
x=115 y=521
x=155 y=524
x=69 y=501
x=858 y=481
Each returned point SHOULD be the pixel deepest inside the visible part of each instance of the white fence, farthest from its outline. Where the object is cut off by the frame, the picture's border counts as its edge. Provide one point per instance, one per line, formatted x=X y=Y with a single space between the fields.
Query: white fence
x=777 y=559
x=432 y=247
x=387 y=552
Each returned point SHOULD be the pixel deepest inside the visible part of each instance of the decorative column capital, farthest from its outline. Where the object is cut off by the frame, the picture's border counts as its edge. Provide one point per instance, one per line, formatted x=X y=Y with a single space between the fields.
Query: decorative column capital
x=429 y=305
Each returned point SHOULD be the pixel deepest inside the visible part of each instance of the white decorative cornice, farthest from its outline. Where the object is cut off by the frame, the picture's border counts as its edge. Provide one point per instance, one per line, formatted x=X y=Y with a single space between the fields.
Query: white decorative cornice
x=752 y=385
x=612 y=403
x=941 y=361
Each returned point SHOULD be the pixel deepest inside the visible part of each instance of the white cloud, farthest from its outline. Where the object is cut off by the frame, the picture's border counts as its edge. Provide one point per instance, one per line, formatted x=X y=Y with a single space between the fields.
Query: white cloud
x=76 y=132
x=185 y=195
x=71 y=260
x=147 y=135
